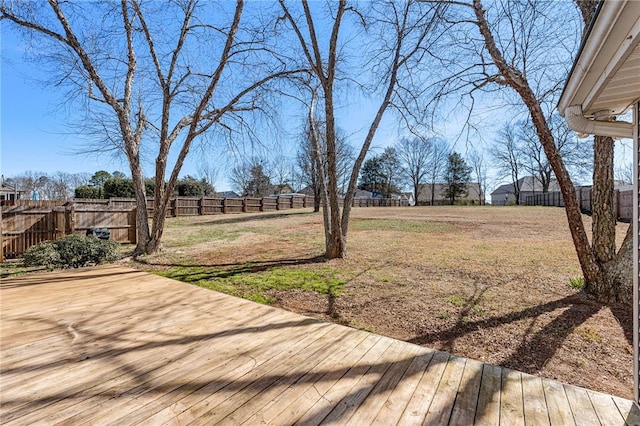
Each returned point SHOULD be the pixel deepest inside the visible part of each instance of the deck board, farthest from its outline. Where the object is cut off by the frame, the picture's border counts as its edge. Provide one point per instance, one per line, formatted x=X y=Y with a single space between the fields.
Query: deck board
x=111 y=345
x=533 y=396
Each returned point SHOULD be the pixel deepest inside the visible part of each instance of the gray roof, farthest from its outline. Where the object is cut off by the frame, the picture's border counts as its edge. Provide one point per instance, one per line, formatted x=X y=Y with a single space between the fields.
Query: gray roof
x=527 y=184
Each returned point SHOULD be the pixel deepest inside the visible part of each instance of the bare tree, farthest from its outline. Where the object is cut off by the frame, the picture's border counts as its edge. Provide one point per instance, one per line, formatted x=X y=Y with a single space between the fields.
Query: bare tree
x=522 y=47
x=61 y=185
x=282 y=173
x=33 y=183
x=437 y=164
x=476 y=160
x=208 y=172
x=506 y=153
x=308 y=157
x=577 y=155
x=161 y=73
x=405 y=28
x=56 y=186
x=624 y=172
x=252 y=178
x=414 y=154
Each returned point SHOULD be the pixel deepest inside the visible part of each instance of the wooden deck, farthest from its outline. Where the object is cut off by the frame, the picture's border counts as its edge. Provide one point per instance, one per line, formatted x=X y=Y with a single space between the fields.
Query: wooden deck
x=111 y=345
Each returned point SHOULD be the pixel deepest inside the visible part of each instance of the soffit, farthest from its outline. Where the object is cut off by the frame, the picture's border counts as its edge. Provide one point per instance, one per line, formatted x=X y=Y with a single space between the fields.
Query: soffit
x=606 y=75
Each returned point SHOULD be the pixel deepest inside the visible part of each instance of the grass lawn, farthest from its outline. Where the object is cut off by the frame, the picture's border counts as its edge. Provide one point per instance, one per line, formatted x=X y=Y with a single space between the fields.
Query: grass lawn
x=489 y=283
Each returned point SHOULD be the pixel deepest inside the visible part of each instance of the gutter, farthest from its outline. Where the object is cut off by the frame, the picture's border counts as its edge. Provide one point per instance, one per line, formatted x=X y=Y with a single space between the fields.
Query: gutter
x=583 y=125
x=571 y=102
x=585 y=36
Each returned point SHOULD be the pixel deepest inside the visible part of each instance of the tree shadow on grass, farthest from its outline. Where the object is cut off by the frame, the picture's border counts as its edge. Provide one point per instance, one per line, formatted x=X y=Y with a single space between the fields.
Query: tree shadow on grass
x=534 y=350
x=624 y=316
x=227 y=270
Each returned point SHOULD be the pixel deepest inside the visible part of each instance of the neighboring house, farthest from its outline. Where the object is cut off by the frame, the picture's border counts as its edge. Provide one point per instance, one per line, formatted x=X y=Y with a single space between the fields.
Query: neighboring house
x=440 y=194
x=307 y=190
x=228 y=194
x=409 y=197
x=361 y=193
x=504 y=195
x=9 y=192
x=282 y=189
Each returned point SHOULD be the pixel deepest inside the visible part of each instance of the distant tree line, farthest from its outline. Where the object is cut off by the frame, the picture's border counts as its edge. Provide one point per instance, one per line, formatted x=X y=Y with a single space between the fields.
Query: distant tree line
x=417 y=162
x=100 y=185
x=44 y=186
x=106 y=185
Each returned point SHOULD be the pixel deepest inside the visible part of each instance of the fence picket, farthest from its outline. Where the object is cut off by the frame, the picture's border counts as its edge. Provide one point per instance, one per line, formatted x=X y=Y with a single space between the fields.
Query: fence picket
x=623 y=200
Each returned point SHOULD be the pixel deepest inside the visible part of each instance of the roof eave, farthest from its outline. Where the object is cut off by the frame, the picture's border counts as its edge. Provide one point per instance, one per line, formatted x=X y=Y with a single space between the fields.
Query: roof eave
x=588 y=77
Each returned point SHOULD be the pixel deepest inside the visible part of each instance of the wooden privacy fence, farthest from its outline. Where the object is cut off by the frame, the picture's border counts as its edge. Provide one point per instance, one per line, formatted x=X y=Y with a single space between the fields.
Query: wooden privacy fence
x=623 y=201
x=194 y=206
x=28 y=223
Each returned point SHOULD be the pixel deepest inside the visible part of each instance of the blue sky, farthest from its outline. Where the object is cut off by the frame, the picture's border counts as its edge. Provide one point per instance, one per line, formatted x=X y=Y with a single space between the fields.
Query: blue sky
x=35 y=135
x=31 y=132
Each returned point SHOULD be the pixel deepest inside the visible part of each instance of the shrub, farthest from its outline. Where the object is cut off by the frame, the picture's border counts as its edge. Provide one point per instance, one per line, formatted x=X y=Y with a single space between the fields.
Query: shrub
x=43 y=254
x=86 y=191
x=72 y=251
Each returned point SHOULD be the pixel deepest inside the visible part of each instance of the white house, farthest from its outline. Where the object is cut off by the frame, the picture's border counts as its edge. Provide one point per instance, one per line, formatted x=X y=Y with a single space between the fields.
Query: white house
x=604 y=83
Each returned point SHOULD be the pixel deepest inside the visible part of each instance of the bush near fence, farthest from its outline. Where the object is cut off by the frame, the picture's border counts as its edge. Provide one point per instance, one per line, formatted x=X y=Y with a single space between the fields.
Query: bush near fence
x=623 y=201
x=26 y=223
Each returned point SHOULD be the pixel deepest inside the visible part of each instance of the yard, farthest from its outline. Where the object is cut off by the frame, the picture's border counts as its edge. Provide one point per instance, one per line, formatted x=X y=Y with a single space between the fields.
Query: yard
x=488 y=283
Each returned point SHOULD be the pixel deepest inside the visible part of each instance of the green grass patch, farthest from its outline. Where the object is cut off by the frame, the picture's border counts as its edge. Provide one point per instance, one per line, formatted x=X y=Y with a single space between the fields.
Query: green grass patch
x=399 y=225
x=576 y=283
x=444 y=315
x=455 y=300
x=17 y=268
x=250 y=282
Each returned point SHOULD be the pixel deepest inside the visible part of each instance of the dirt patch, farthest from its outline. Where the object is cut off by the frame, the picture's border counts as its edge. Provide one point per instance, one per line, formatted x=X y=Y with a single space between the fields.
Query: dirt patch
x=486 y=283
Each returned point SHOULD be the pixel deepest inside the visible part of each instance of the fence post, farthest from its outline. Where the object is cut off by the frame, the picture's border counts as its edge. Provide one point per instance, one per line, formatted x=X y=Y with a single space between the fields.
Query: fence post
x=201 y=206
x=70 y=220
x=579 y=197
x=133 y=226
x=224 y=205
x=244 y=205
x=59 y=223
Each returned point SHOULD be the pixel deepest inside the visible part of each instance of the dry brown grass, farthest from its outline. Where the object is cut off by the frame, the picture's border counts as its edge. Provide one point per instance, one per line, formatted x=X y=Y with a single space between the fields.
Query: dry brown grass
x=489 y=283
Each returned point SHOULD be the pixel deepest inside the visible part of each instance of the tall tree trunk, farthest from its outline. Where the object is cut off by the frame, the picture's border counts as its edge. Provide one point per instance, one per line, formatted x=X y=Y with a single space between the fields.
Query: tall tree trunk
x=594 y=275
x=142 y=216
x=618 y=267
x=603 y=200
x=620 y=270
